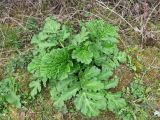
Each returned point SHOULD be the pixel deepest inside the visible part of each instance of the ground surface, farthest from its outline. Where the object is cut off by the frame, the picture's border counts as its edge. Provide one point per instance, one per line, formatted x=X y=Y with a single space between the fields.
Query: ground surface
x=139 y=24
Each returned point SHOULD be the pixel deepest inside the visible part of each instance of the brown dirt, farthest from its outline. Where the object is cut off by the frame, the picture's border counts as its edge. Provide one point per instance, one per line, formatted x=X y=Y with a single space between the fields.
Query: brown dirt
x=125 y=75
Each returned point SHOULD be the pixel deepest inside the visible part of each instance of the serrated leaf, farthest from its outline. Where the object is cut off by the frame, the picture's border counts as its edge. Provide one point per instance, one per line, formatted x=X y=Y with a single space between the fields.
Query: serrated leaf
x=81 y=37
x=110 y=39
x=64 y=84
x=111 y=83
x=55 y=97
x=109 y=65
x=115 y=102
x=100 y=60
x=100 y=29
x=93 y=85
x=34 y=66
x=69 y=93
x=44 y=40
x=108 y=48
x=56 y=64
x=91 y=72
x=82 y=55
x=36 y=87
x=63 y=34
x=94 y=48
x=46 y=45
x=51 y=25
x=90 y=103
x=36 y=39
x=59 y=97
x=89 y=80
x=138 y=89
x=104 y=75
x=122 y=57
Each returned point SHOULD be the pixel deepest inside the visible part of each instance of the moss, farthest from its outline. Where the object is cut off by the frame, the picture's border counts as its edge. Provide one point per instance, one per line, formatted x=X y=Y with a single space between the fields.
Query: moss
x=151 y=59
x=147 y=62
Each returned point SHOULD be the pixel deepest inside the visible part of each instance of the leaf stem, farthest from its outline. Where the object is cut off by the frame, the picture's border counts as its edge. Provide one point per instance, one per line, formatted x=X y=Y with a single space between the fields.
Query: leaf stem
x=61 y=44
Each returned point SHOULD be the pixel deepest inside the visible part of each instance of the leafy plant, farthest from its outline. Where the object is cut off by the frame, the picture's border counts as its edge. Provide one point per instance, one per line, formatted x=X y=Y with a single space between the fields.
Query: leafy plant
x=19 y=62
x=9 y=36
x=8 y=93
x=133 y=112
x=78 y=66
x=136 y=95
x=31 y=23
x=137 y=90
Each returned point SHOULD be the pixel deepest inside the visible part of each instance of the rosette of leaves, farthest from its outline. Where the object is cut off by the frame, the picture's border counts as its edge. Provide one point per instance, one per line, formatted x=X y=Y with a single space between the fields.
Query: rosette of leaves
x=78 y=66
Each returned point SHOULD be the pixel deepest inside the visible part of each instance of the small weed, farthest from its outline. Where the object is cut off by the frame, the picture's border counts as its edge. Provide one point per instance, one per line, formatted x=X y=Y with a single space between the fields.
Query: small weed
x=8 y=90
x=31 y=24
x=9 y=36
x=136 y=95
x=18 y=62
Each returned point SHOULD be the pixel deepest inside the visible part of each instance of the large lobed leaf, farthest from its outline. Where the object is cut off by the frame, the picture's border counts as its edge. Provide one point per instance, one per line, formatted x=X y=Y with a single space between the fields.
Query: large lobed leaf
x=90 y=103
x=51 y=35
x=51 y=25
x=62 y=91
x=89 y=80
x=81 y=37
x=36 y=87
x=83 y=55
x=115 y=102
x=99 y=29
x=56 y=64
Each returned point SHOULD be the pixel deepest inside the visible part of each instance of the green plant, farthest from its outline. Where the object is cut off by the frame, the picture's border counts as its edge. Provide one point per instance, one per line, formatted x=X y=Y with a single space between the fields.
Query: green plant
x=18 y=62
x=31 y=23
x=9 y=36
x=133 y=112
x=8 y=94
x=138 y=89
x=78 y=66
x=136 y=95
